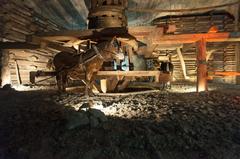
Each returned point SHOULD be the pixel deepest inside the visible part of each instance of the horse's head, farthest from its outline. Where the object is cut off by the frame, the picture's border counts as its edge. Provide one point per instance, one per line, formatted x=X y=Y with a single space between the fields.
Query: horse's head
x=111 y=50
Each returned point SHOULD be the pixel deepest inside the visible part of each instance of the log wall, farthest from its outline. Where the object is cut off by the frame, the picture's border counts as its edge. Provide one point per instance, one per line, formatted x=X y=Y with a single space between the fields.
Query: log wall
x=223 y=54
x=17 y=21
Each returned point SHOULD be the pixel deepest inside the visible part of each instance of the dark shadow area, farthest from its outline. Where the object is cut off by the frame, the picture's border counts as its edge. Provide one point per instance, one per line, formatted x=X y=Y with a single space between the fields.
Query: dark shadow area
x=169 y=126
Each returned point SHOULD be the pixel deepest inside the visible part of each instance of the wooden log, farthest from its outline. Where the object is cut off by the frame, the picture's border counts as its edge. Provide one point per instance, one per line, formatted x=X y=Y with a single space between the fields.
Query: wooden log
x=128 y=94
x=202 y=66
x=183 y=65
x=17 y=27
x=103 y=85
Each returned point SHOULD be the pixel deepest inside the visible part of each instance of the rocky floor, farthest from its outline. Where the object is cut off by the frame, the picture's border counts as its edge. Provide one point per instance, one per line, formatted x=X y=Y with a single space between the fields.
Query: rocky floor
x=159 y=125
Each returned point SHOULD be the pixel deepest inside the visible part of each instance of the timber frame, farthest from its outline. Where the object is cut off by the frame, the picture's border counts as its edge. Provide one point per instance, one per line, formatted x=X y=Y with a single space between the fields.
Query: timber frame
x=52 y=39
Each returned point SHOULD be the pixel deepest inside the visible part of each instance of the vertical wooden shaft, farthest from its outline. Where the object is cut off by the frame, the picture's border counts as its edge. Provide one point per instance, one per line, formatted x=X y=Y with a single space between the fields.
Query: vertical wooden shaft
x=201 y=66
x=237 y=47
x=1 y=66
x=5 y=70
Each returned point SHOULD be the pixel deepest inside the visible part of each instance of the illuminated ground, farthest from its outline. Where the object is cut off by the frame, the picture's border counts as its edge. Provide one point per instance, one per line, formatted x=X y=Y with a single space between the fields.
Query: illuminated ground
x=164 y=125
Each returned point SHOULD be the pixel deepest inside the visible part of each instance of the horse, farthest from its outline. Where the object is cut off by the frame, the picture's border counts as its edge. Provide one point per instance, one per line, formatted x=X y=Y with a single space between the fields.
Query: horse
x=72 y=65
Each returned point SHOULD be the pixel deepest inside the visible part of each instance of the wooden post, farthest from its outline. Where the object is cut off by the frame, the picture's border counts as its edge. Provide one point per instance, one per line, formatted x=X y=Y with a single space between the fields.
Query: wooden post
x=103 y=85
x=237 y=47
x=238 y=62
x=1 y=68
x=201 y=66
x=5 y=70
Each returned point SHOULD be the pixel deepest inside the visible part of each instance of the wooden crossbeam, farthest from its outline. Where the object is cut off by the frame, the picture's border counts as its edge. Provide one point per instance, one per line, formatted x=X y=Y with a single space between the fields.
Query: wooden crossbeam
x=18 y=45
x=83 y=34
x=128 y=73
x=192 y=38
x=33 y=46
x=156 y=74
x=227 y=73
x=45 y=43
x=140 y=33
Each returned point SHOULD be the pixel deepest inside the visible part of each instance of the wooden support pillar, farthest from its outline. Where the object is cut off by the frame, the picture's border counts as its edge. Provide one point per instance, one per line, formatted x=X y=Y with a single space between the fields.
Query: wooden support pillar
x=103 y=85
x=201 y=66
x=238 y=62
x=5 y=70
x=1 y=67
x=236 y=11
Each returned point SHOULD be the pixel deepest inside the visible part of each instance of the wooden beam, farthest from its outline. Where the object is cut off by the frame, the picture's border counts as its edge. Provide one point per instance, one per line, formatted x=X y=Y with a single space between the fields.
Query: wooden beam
x=45 y=43
x=144 y=31
x=192 y=38
x=138 y=32
x=179 y=52
x=226 y=73
x=18 y=45
x=201 y=66
x=19 y=79
x=60 y=38
x=236 y=10
x=103 y=85
x=85 y=34
x=142 y=34
x=156 y=74
x=128 y=73
x=35 y=44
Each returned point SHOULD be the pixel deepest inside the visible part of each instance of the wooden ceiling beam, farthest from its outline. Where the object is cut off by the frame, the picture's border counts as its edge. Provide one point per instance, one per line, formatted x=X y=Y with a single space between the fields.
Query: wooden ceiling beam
x=34 y=45
x=45 y=43
x=84 y=34
x=192 y=38
x=141 y=33
x=18 y=45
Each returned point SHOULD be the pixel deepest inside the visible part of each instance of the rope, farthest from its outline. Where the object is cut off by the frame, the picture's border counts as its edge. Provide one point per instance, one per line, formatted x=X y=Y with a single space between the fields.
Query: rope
x=180 y=10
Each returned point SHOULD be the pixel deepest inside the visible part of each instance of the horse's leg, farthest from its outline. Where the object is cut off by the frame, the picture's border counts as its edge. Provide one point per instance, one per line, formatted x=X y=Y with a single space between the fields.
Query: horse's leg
x=91 y=82
x=88 y=77
x=64 y=81
x=59 y=82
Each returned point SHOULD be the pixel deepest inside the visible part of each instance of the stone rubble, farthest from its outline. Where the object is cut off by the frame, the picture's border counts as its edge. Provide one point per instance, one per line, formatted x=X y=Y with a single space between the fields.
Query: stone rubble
x=164 y=125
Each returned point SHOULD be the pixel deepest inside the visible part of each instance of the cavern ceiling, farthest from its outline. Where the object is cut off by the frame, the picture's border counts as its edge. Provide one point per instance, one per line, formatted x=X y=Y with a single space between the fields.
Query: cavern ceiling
x=72 y=14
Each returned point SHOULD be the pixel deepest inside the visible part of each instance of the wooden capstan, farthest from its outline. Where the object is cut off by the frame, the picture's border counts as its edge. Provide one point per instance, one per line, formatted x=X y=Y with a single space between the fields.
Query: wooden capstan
x=107 y=14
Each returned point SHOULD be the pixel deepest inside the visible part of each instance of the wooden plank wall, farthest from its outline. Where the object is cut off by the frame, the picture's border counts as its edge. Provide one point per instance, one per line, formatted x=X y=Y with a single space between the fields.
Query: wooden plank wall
x=16 y=22
x=223 y=56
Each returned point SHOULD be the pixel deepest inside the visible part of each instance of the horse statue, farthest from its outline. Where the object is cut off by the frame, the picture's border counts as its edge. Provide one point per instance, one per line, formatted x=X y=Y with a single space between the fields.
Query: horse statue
x=73 y=65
